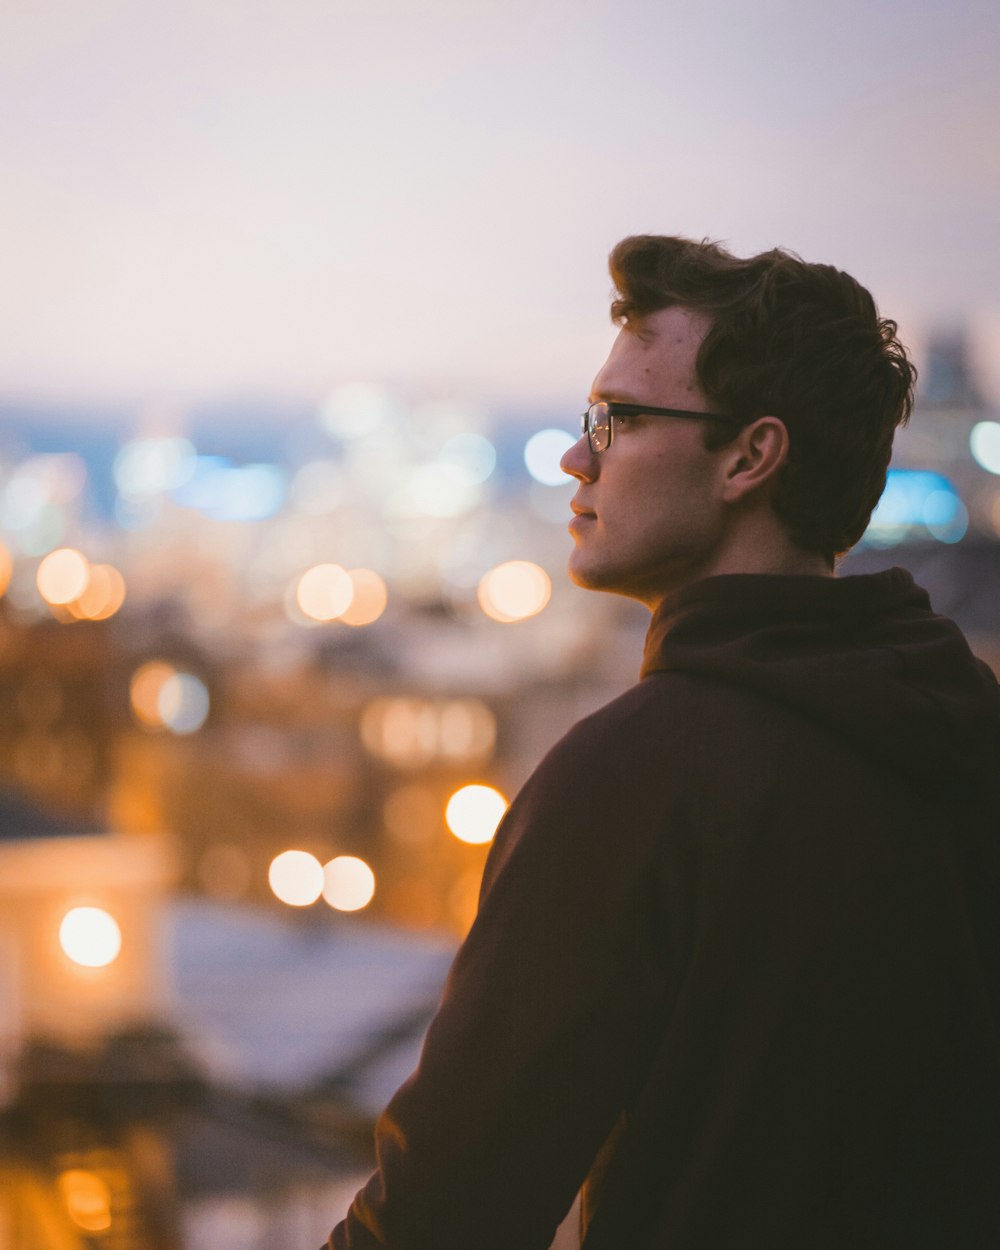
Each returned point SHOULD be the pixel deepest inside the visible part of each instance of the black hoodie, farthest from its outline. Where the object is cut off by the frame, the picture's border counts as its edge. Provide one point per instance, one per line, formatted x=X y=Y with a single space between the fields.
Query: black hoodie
x=737 y=960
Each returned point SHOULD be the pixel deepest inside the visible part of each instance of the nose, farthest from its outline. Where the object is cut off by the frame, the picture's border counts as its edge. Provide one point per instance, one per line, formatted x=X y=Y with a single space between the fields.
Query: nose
x=579 y=461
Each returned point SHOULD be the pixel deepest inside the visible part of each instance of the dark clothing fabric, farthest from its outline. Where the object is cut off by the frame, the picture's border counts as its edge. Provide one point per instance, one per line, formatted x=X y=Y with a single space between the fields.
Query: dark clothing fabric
x=737 y=960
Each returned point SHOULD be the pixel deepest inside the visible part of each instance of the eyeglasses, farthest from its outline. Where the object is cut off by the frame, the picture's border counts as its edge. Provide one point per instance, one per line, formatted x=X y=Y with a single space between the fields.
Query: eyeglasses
x=598 y=420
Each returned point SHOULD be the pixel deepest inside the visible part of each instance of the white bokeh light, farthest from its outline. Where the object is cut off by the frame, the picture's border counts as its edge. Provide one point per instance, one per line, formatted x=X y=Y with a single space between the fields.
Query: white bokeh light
x=324 y=592
x=357 y=409
x=63 y=575
x=296 y=878
x=90 y=936
x=348 y=883
x=473 y=813
x=183 y=703
x=472 y=453
x=984 y=443
x=542 y=454
x=442 y=490
x=150 y=466
x=514 y=591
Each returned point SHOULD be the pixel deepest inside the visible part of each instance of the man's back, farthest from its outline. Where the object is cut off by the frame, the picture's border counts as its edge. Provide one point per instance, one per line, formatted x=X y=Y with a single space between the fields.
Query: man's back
x=729 y=937
x=830 y=1073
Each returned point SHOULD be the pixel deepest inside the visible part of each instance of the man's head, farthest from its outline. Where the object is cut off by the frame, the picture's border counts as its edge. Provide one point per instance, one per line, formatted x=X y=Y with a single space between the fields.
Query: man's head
x=797 y=351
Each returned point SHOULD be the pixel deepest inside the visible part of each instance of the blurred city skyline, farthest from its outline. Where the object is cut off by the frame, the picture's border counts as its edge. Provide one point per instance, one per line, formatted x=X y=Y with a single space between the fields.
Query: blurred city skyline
x=230 y=202
x=300 y=305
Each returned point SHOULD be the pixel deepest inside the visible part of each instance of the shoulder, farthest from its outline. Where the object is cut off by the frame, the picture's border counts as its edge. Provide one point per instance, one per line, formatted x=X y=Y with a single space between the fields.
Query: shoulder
x=661 y=717
x=619 y=777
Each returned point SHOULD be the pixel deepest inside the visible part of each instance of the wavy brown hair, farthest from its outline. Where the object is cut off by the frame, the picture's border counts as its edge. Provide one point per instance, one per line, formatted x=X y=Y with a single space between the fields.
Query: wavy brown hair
x=797 y=341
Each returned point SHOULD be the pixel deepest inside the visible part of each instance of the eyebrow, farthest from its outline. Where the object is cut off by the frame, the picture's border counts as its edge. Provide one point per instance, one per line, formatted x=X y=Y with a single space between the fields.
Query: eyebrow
x=615 y=397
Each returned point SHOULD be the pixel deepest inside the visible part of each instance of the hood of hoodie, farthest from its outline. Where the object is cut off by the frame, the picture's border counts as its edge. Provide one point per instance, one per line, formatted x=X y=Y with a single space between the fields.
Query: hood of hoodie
x=864 y=656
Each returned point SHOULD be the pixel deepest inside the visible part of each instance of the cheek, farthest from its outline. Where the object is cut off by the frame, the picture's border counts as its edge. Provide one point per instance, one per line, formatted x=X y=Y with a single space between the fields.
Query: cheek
x=671 y=494
x=650 y=508
x=658 y=481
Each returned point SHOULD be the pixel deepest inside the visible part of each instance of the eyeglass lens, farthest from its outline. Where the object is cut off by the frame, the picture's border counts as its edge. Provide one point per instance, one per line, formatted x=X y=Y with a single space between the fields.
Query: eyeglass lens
x=598 y=427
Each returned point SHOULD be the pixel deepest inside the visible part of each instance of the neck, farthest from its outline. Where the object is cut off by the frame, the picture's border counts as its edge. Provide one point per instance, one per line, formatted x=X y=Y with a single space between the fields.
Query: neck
x=755 y=541
x=790 y=562
x=755 y=549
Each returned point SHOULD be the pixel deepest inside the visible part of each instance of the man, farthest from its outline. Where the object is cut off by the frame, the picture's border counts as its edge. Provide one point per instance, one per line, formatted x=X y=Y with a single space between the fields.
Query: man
x=736 y=968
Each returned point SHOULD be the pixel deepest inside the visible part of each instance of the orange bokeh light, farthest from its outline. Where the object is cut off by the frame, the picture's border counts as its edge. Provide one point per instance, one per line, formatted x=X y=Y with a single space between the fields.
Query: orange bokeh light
x=62 y=576
x=103 y=596
x=514 y=591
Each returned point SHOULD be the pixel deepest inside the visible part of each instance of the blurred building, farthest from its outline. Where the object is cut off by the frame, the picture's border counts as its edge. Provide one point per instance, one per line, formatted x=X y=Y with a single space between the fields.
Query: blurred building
x=178 y=1075
x=79 y=932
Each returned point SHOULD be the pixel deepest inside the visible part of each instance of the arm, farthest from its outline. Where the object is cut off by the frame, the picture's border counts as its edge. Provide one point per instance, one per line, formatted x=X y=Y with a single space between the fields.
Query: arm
x=544 y=1021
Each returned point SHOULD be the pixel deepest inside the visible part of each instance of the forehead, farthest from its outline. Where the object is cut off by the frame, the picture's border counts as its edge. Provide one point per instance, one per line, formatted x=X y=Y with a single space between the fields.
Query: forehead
x=653 y=357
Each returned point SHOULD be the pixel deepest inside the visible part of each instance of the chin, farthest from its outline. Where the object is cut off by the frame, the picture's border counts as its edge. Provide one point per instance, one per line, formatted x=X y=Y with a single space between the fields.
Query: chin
x=579 y=572
x=593 y=577
x=615 y=580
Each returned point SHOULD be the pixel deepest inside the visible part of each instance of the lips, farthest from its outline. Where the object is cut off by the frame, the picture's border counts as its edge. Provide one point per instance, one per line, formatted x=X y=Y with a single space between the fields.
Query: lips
x=581 y=517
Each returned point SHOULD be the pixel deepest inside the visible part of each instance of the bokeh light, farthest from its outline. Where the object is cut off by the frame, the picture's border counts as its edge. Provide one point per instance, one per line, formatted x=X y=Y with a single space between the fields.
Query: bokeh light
x=945 y=516
x=542 y=454
x=442 y=490
x=473 y=813
x=62 y=576
x=90 y=936
x=24 y=497
x=324 y=592
x=35 y=499
x=411 y=732
x=356 y=410
x=368 y=600
x=348 y=883
x=403 y=731
x=87 y=1199
x=472 y=453
x=434 y=420
x=467 y=730
x=44 y=532
x=377 y=465
x=151 y=466
x=296 y=878
x=917 y=499
x=144 y=691
x=984 y=443
x=183 y=703
x=6 y=568
x=514 y=591
x=223 y=491
x=103 y=596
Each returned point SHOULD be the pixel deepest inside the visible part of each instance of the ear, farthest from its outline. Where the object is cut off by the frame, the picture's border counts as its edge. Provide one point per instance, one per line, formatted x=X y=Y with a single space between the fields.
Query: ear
x=756 y=456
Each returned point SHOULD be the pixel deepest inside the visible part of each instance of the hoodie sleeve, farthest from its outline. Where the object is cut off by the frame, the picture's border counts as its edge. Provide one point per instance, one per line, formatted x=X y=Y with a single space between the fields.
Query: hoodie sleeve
x=542 y=1028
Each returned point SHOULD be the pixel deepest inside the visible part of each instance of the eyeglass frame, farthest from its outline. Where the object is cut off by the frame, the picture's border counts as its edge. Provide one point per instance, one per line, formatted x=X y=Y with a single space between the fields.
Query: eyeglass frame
x=614 y=409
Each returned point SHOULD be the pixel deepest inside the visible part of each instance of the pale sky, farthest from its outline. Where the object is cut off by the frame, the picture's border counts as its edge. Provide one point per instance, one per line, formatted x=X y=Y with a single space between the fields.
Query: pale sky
x=212 y=199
